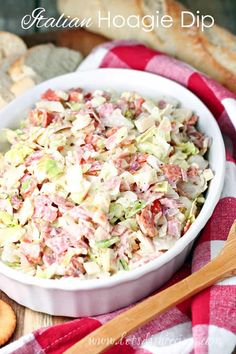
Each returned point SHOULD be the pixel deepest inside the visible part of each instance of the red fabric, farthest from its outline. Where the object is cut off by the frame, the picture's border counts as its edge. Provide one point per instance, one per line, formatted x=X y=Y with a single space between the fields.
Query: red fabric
x=206 y=323
x=200 y=315
x=136 y=57
x=223 y=216
x=55 y=340
x=199 y=86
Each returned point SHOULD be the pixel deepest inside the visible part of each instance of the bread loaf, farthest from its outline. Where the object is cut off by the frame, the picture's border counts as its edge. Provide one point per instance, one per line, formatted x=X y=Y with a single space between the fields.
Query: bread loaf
x=212 y=51
x=21 y=69
x=41 y=63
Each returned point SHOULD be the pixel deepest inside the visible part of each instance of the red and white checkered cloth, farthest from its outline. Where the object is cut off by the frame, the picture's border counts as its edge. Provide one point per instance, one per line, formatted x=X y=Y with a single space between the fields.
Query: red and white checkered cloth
x=206 y=323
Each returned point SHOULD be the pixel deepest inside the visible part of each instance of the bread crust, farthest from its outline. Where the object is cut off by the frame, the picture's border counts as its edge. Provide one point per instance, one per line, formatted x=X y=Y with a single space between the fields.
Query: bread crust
x=199 y=52
x=212 y=52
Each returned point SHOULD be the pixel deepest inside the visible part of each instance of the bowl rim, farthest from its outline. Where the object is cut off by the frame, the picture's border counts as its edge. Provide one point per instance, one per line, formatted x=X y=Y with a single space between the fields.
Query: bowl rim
x=72 y=284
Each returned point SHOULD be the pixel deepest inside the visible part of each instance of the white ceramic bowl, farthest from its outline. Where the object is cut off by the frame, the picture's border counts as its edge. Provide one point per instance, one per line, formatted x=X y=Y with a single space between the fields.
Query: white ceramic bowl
x=71 y=297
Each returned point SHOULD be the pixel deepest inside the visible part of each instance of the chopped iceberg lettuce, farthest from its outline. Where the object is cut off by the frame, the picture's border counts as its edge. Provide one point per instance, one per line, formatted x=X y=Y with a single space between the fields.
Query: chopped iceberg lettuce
x=49 y=168
x=11 y=234
x=17 y=154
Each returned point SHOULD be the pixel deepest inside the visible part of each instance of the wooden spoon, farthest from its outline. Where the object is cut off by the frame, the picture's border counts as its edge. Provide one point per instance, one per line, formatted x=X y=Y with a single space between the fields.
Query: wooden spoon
x=221 y=267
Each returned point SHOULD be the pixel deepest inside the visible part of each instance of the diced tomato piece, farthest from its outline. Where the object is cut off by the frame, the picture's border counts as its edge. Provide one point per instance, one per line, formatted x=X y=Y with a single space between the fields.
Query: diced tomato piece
x=156 y=207
x=48 y=118
x=139 y=102
x=82 y=161
x=187 y=226
x=50 y=95
x=40 y=117
x=88 y=96
x=74 y=96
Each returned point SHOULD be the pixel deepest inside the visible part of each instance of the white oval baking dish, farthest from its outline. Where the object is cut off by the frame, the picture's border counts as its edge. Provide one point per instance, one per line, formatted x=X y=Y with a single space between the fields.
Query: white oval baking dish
x=71 y=297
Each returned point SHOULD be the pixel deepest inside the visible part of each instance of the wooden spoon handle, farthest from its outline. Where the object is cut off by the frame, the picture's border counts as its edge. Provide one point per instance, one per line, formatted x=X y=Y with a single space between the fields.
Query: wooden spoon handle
x=127 y=322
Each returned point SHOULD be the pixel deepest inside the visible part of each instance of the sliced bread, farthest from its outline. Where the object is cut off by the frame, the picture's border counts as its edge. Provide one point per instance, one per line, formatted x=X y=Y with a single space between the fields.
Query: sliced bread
x=11 y=46
x=44 y=62
x=21 y=69
x=41 y=63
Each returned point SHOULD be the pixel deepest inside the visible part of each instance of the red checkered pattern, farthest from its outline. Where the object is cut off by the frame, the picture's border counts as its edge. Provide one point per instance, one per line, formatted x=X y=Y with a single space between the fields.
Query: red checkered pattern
x=206 y=323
